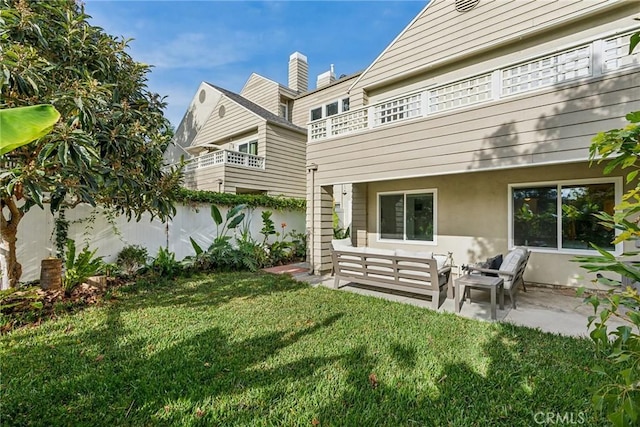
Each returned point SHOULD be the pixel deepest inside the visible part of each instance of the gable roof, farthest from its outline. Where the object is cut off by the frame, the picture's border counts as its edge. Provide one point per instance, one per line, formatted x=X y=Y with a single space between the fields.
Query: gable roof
x=363 y=73
x=257 y=110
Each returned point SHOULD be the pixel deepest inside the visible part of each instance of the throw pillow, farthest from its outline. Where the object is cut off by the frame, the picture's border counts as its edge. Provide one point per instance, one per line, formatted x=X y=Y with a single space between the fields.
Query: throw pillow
x=493 y=263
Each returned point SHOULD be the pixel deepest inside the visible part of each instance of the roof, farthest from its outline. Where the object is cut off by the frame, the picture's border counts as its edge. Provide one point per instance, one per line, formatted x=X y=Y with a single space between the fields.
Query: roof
x=335 y=82
x=257 y=110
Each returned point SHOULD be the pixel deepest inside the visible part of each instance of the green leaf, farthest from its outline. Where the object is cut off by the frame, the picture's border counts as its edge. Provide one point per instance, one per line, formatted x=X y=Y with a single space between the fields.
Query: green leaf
x=234 y=211
x=633 y=42
x=235 y=221
x=22 y=125
x=195 y=246
x=216 y=215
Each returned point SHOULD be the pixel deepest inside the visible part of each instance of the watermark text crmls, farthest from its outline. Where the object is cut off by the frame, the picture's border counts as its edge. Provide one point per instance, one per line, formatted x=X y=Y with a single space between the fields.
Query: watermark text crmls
x=559 y=418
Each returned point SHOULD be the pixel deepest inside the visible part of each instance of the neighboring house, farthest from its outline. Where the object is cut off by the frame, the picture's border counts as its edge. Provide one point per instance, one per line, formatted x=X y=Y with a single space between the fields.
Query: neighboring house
x=470 y=134
x=245 y=143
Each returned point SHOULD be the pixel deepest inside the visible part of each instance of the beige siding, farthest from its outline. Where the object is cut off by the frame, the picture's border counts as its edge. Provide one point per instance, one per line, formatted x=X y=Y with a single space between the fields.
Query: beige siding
x=263 y=92
x=203 y=102
x=473 y=217
x=545 y=126
x=566 y=37
x=436 y=35
x=284 y=172
x=286 y=157
x=236 y=120
x=302 y=104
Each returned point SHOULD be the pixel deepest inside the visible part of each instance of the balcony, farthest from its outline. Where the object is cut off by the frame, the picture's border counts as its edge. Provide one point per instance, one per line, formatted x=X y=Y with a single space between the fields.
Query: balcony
x=227 y=157
x=591 y=59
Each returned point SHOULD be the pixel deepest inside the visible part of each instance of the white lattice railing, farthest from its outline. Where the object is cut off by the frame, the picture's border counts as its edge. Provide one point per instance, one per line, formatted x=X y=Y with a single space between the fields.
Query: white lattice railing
x=615 y=53
x=591 y=59
x=224 y=157
x=404 y=107
x=547 y=71
x=351 y=121
x=460 y=94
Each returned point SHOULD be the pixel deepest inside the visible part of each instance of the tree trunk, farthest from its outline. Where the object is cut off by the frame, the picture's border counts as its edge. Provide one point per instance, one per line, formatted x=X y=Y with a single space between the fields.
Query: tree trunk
x=9 y=265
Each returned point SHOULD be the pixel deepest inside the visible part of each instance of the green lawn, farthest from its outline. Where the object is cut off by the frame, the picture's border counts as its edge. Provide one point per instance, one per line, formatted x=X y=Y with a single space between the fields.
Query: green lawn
x=257 y=349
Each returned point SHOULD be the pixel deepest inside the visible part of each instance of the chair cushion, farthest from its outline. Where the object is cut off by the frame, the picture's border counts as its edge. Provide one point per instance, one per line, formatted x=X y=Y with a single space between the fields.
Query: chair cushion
x=510 y=263
x=411 y=254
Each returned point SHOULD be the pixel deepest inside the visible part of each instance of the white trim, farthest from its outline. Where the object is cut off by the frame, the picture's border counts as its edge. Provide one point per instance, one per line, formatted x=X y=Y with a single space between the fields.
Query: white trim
x=234 y=144
x=594 y=75
x=404 y=240
x=618 y=187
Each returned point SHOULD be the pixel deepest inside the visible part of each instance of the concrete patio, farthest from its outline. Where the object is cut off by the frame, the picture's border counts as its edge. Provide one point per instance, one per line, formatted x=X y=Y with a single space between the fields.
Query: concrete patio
x=554 y=310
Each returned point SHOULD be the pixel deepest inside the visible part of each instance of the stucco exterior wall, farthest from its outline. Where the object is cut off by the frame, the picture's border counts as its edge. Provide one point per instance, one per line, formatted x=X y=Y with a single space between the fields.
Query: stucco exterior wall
x=472 y=217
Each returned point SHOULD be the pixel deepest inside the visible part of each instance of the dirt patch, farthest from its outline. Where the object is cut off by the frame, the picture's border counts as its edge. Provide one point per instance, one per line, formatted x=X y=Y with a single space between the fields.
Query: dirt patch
x=30 y=306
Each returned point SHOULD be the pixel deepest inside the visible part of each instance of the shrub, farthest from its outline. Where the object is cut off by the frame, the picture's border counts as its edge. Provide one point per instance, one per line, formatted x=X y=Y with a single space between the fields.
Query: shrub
x=132 y=258
x=620 y=399
x=165 y=264
x=79 y=269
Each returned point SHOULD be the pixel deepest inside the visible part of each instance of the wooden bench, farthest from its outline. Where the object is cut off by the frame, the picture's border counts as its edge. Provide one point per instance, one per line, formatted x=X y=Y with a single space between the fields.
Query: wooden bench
x=384 y=269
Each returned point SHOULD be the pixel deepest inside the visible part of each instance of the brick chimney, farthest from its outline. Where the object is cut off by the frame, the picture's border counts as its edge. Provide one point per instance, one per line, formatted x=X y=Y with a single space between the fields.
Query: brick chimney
x=298 y=72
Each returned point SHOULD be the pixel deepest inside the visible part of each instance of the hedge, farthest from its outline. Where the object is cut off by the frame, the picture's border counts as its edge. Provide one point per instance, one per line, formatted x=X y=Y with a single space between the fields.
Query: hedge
x=252 y=200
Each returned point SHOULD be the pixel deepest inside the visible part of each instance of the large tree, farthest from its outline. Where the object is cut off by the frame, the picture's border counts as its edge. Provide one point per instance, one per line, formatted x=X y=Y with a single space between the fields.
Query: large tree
x=107 y=147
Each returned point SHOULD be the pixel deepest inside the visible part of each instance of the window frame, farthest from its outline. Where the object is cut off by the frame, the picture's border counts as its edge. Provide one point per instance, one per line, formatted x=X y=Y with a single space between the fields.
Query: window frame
x=253 y=142
x=559 y=184
x=323 y=108
x=284 y=105
x=404 y=240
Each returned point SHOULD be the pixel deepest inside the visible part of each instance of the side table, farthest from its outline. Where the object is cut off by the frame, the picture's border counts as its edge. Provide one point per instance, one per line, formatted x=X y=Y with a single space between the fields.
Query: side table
x=481 y=282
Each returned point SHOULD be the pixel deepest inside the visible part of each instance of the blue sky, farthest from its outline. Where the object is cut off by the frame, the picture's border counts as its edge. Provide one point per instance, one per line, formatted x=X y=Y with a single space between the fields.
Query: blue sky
x=224 y=42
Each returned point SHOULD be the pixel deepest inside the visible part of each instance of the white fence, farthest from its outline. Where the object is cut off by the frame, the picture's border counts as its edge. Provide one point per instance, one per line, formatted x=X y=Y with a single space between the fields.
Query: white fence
x=36 y=240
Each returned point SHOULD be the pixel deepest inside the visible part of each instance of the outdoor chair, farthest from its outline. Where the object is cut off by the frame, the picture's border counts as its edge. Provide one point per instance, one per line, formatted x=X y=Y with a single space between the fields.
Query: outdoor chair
x=511 y=270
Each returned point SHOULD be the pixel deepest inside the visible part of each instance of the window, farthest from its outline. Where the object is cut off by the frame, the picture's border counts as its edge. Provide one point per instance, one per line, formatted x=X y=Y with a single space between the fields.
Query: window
x=284 y=110
x=250 y=147
x=560 y=216
x=330 y=109
x=316 y=114
x=345 y=104
x=407 y=216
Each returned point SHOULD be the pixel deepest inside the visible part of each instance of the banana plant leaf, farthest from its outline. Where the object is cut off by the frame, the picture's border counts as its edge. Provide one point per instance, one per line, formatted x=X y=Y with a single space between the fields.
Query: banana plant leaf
x=19 y=126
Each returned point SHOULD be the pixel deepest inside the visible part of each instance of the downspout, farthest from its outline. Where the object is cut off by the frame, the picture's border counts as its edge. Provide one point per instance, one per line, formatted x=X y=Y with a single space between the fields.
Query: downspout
x=219 y=185
x=312 y=168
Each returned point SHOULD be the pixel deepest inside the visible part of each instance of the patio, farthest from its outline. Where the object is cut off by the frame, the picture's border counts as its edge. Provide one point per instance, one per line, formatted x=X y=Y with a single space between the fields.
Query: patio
x=554 y=310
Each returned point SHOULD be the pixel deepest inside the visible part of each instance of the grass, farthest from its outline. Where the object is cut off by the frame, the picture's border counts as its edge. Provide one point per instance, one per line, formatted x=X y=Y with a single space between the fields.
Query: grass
x=258 y=349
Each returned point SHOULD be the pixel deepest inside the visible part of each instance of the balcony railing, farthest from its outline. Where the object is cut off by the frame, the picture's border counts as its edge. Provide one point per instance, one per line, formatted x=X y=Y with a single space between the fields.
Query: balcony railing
x=224 y=157
x=588 y=60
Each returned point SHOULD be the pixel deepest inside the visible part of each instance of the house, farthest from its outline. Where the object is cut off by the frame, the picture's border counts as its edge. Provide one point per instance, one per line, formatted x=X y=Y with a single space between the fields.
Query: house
x=470 y=134
x=246 y=142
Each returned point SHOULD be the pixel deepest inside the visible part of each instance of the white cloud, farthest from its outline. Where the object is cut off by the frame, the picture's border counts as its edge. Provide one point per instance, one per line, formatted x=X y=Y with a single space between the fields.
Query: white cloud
x=200 y=50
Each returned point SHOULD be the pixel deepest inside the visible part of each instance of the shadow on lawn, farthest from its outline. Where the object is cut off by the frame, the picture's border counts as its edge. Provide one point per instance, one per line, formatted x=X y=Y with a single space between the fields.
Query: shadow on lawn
x=512 y=391
x=106 y=376
x=208 y=290
x=167 y=387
